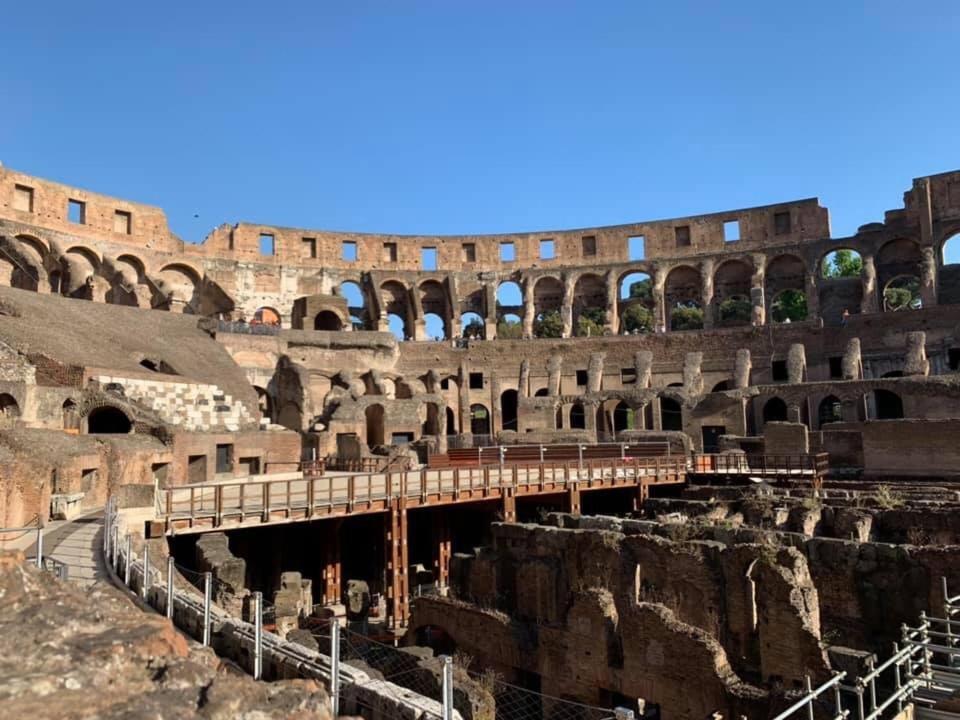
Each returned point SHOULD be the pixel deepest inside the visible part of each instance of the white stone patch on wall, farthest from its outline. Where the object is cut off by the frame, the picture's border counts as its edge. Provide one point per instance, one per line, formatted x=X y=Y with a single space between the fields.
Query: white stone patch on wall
x=192 y=406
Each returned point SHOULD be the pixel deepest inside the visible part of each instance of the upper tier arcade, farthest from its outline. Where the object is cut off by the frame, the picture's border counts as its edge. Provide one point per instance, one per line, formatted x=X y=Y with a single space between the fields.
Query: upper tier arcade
x=728 y=268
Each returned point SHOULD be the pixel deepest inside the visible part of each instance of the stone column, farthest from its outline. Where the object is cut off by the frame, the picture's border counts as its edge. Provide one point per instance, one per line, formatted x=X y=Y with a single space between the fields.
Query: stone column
x=706 y=292
x=529 y=307
x=595 y=372
x=496 y=414
x=851 y=364
x=928 y=277
x=741 y=369
x=463 y=389
x=415 y=315
x=523 y=385
x=758 y=311
x=611 y=322
x=657 y=414
x=566 y=312
x=813 y=295
x=915 y=362
x=490 y=319
x=659 y=301
x=868 y=301
x=796 y=363
x=643 y=366
x=554 y=367
x=692 y=376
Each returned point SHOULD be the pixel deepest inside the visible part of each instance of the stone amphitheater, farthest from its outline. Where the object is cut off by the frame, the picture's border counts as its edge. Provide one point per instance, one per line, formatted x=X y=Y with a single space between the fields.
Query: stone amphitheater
x=682 y=467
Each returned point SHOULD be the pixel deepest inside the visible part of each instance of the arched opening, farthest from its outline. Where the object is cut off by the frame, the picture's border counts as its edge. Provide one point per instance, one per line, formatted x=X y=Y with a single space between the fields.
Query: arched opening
x=356 y=304
x=888 y=405
x=623 y=417
x=479 y=420
x=397 y=326
x=731 y=293
x=508 y=409
x=589 y=306
x=108 y=420
x=509 y=310
x=436 y=326
x=902 y=293
x=9 y=408
x=375 y=430
x=431 y=426
x=327 y=320
x=547 y=301
x=264 y=402
x=578 y=418
x=558 y=418
x=829 y=411
x=949 y=276
x=178 y=286
x=636 y=303
x=841 y=263
x=542 y=392
x=682 y=295
x=71 y=420
x=893 y=374
x=721 y=386
x=266 y=316
x=775 y=410
x=472 y=326
x=789 y=306
x=451 y=422
x=396 y=304
x=671 y=414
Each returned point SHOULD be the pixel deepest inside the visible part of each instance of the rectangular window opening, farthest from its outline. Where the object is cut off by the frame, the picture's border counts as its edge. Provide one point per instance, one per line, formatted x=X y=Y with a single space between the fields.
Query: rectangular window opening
x=224 y=458
x=266 y=244
x=77 y=212
x=308 y=247
x=445 y=384
x=836 y=367
x=731 y=231
x=636 y=247
x=469 y=252
x=428 y=258
x=348 y=251
x=507 y=252
x=122 y=222
x=476 y=381
x=781 y=223
x=581 y=377
x=682 y=233
x=779 y=370
x=390 y=252
x=588 y=244
x=547 y=250
x=23 y=198
x=953 y=358
x=628 y=375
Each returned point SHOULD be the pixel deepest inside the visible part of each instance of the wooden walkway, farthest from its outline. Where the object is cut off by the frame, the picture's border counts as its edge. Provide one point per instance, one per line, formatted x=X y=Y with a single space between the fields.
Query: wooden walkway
x=242 y=503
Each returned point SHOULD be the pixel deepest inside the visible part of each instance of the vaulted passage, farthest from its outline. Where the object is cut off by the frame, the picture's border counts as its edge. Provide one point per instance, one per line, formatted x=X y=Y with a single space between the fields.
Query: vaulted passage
x=108 y=420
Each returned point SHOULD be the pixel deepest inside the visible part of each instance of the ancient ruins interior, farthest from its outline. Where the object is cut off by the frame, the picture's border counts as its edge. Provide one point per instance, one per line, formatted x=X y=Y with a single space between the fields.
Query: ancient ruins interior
x=683 y=467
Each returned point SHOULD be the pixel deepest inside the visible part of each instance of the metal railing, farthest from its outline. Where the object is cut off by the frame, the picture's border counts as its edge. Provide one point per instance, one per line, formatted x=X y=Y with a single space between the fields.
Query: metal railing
x=925 y=662
x=811 y=464
x=44 y=563
x=344 y=494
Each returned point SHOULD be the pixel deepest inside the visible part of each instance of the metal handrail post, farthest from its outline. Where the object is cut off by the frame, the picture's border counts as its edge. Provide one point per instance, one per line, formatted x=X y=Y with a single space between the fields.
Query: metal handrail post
x=39 y=544
x=170 y=587
x=257 y=635
x=207 y=600
x=128 y=564
x=809 y=688
x=144 y=590
x=447 y=688
x=334 y=668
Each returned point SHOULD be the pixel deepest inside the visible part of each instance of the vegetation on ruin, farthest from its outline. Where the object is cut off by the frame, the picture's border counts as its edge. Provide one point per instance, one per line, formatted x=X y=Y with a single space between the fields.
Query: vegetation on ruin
x=902 y=294
x=473 y=330
x=509 y=330
x=591 y=322
x=842 y=263
x=686 y=316
x=789 y=306
x=735 y=311
x=638 y=318
x=886 y=498
x=642 y=290
x=548 y=325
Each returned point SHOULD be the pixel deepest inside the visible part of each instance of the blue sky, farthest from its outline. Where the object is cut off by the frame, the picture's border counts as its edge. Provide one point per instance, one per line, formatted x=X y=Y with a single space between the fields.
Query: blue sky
x=469 y=117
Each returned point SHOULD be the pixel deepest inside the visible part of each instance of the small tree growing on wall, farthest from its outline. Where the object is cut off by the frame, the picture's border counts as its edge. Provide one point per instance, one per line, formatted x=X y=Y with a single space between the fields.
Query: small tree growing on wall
x=548 y=325
x=638 y=318
x=590 y=322
x=686 y=316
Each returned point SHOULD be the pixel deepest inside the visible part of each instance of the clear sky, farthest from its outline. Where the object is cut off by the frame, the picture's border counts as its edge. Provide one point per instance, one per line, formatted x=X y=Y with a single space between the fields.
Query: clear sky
x=464 y=117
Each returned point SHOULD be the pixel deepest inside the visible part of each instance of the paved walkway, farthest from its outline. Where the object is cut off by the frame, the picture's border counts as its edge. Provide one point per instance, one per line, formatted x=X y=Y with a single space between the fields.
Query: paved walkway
x=76 y=543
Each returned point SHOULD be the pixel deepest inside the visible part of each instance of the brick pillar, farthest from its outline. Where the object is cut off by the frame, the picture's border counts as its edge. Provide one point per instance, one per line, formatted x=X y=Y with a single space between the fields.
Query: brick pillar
x=643 y=492
x=657 y=416
x=706 y=293
x=529 y=308
x=443 y=549
x=332 y=578
x=611 y=321
x=566 y=310
x=395 y=547
x=509 y=505
x=573 y=499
